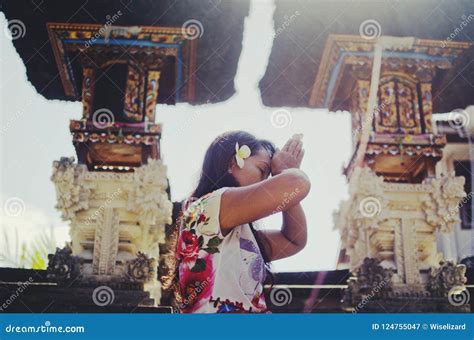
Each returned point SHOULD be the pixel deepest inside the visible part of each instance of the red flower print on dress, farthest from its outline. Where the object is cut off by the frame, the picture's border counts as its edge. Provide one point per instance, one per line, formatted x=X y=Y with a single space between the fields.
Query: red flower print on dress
x=188 y=246
x=196 y=283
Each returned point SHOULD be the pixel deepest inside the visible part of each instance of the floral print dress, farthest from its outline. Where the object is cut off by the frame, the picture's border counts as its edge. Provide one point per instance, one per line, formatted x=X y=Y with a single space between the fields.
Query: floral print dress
x=218 y=274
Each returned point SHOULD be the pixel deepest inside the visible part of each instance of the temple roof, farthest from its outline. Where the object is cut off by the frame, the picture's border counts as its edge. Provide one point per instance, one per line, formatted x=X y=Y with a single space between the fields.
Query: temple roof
x=218 y=47
x=302 y=29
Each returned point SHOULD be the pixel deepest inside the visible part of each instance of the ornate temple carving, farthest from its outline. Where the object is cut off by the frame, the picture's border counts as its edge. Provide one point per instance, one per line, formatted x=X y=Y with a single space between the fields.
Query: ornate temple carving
x=397 y=202
x=63 y=267
x=116 y=197
x=444 y=278
x=141 y=269
x=72 y=191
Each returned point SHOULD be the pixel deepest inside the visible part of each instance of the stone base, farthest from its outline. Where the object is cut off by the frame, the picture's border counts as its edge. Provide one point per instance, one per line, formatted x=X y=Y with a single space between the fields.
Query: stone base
x=408 y=305
x=29 y=291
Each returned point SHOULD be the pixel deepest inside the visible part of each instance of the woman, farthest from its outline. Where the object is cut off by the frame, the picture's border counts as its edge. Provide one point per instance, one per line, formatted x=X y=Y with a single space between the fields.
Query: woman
x=220 y=257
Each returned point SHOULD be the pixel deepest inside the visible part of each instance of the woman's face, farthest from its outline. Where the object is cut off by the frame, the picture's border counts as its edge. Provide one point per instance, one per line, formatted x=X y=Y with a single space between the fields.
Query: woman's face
x=256 y=168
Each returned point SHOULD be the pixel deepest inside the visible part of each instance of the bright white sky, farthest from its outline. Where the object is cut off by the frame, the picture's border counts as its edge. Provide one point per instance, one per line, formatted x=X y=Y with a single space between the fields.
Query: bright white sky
x=35 y=132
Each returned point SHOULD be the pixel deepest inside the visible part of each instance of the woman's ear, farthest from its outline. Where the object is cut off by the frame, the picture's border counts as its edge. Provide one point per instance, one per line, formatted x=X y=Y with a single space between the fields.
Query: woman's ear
x=232 y=165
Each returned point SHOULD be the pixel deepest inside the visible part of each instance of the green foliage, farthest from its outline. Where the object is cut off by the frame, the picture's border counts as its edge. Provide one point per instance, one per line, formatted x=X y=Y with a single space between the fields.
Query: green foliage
x=33 y=254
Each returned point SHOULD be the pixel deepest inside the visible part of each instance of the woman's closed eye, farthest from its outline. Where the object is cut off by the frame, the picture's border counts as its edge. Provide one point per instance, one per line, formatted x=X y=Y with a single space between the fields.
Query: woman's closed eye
x=264 y=172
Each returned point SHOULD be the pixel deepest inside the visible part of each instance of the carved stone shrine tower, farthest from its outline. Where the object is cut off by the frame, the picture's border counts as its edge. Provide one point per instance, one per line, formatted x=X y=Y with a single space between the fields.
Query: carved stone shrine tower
x=397 y=200
x=116 y=196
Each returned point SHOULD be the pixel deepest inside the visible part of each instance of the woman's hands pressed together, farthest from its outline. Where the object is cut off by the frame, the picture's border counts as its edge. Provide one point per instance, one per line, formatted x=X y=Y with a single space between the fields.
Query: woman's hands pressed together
x=289 y=157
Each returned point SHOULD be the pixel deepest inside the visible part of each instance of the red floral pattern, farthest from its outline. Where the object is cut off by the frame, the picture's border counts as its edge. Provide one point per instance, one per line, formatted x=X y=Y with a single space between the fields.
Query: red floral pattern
x=199 y=242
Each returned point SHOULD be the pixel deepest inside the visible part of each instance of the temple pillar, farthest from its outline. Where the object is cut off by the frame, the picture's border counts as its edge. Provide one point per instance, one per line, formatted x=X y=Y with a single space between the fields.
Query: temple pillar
x=116 y=197
x=397 y=201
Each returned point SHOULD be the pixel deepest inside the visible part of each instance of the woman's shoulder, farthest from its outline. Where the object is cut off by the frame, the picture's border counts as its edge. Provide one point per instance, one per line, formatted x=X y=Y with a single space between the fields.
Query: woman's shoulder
x=202 y=214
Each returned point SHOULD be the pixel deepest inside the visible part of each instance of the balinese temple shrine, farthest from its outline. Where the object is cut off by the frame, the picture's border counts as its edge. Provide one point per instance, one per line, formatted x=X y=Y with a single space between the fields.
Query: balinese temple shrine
x=392 y=66
x=114 y=191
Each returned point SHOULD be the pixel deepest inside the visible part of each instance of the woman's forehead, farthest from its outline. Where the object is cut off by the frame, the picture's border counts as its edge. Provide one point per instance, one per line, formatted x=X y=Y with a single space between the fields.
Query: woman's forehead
x=261 y=155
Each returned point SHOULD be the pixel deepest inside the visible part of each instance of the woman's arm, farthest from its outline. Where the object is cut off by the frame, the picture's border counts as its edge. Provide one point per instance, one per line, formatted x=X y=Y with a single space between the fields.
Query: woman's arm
x=290 y=239
x=246 y=204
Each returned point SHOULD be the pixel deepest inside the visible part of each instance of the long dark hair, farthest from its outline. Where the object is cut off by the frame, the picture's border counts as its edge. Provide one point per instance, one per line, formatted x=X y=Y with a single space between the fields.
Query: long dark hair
x=215 y=175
